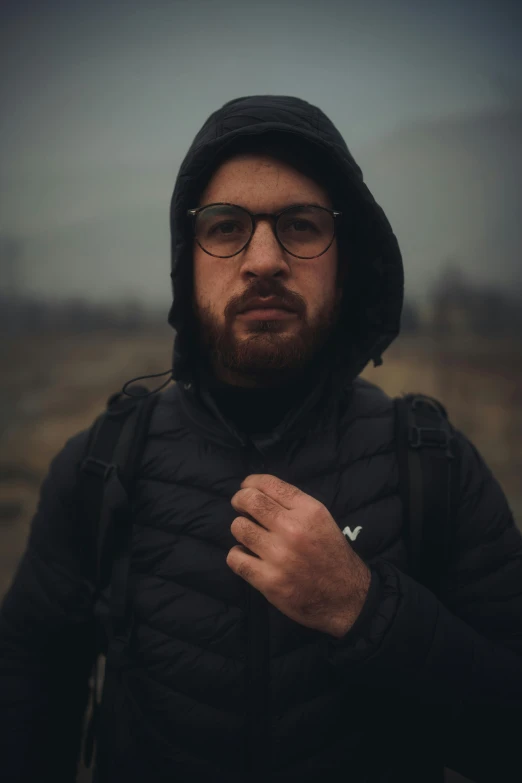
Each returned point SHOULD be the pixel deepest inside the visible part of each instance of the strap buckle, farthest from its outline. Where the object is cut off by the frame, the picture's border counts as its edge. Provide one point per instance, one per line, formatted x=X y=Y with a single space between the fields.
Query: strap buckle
x=430 y=436
x=97 y=467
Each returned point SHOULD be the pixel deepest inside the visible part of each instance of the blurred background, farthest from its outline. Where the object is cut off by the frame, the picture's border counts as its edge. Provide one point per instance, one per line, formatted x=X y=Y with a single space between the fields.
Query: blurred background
x=99 y=104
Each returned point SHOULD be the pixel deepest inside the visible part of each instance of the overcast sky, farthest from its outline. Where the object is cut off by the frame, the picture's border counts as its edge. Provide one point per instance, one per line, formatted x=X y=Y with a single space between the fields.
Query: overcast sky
x=100 y=101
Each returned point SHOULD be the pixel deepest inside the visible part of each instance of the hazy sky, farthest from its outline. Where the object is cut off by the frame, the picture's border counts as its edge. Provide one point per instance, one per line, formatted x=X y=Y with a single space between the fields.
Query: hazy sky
x=100 y=101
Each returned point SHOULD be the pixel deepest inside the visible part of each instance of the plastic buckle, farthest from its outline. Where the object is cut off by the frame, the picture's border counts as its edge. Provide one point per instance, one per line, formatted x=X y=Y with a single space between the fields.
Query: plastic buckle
x=97 y=467
x=420 y=436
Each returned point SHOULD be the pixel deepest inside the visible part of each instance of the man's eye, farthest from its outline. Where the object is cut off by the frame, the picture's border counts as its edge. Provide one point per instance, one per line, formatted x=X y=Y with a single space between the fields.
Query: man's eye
x=299 y=226
x=225 y=227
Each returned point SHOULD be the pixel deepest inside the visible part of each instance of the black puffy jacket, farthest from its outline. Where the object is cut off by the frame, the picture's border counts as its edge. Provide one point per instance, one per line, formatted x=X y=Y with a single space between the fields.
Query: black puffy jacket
x=215 y=683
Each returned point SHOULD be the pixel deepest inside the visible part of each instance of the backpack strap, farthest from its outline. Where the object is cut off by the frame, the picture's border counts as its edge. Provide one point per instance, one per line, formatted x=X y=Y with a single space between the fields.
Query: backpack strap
x=105 y=476
x=428 y=480
x=105 y=480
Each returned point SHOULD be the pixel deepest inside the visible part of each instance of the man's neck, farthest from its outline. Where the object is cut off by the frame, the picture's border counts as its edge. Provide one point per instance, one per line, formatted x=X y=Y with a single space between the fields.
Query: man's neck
x=261 y=380
x=260 y=408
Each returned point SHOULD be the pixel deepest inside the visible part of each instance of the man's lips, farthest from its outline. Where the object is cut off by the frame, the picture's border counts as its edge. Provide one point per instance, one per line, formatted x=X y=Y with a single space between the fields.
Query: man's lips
x=268 y=307
x=267 y=313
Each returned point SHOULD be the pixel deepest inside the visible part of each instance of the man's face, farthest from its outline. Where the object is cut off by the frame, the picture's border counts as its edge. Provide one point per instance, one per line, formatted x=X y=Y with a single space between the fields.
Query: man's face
x=251 y=348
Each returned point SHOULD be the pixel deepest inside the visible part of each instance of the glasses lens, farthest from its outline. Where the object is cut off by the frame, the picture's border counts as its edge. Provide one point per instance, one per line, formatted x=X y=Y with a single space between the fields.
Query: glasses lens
x=223 y=230
x=305 y=231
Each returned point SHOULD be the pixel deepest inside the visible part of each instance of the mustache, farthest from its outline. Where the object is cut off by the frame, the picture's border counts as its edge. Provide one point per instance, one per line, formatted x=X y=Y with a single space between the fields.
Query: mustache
x=264 y=287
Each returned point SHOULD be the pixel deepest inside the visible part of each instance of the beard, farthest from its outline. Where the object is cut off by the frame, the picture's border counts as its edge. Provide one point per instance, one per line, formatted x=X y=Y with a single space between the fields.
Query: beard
x=271 y=352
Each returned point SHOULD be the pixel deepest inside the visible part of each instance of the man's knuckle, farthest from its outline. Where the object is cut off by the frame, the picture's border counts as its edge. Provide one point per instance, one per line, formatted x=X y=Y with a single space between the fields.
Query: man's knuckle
x=294 y=532
x=262 y=504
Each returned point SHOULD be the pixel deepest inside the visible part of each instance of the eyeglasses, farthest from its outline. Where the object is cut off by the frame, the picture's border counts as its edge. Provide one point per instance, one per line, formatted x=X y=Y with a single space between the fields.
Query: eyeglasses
x=303 y=230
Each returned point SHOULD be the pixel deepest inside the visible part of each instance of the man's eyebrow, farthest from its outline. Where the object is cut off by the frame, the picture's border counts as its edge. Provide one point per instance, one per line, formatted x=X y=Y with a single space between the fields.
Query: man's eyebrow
x=302 y=203
x=306 y=204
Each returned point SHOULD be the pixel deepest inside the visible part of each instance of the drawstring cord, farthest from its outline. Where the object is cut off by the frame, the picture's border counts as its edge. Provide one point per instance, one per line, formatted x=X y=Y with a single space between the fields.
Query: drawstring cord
x=143 y=377
x=377 y=361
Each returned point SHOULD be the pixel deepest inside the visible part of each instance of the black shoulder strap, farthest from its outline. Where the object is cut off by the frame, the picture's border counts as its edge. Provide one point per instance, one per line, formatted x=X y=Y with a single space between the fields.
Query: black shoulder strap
x=428 y=479
x=112 y=456
x=113 y=451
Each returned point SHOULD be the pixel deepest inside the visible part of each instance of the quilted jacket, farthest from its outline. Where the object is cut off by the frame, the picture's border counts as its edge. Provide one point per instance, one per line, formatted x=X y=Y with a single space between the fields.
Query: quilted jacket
x=215 y=682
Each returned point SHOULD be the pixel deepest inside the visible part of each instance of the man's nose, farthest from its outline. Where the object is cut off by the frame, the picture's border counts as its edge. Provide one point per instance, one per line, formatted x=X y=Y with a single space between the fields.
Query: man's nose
x=263 y=254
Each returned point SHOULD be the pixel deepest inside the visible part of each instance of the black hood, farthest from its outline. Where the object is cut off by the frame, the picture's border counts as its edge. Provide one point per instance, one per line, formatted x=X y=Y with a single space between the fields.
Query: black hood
x=373 y=297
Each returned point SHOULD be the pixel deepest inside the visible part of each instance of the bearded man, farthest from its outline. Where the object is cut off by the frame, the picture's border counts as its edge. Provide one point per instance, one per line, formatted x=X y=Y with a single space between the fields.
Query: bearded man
x=276 y=634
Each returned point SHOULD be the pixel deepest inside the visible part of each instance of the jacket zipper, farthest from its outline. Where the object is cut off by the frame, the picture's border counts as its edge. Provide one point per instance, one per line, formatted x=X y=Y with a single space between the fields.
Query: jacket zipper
x=258 y=712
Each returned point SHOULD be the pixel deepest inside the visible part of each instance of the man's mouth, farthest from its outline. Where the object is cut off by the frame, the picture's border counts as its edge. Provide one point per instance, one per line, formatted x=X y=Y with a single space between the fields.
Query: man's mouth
x=267 y=313
x=267 y=308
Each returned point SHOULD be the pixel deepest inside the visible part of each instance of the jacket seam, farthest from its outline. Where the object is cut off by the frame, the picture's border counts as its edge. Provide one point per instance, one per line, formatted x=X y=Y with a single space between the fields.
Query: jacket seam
x=169 y=687
x=178 y=638
x=207 y=596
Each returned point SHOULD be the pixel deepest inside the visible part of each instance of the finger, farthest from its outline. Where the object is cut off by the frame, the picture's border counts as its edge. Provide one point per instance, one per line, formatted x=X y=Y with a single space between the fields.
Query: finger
x=243 y=564
x=287 y=495
x=258 y=574
x=252 y=536
x=261 y=507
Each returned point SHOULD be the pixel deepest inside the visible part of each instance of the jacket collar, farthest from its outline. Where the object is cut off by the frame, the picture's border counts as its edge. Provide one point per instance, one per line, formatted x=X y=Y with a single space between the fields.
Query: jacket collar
x=203 y=414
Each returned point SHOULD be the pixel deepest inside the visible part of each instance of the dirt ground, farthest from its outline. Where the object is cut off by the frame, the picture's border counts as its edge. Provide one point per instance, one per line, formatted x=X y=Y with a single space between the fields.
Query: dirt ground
x=55 y=385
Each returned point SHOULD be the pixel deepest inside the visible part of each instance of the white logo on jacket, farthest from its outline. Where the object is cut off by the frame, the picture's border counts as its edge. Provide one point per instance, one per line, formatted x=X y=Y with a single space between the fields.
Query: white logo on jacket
x=352 y=535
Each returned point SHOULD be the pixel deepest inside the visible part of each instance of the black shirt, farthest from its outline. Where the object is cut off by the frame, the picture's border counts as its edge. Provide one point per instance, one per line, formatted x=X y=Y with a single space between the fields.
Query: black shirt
x=260 y=410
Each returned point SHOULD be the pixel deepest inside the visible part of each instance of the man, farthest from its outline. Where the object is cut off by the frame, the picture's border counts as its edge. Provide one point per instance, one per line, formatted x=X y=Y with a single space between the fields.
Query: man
x=267 y=645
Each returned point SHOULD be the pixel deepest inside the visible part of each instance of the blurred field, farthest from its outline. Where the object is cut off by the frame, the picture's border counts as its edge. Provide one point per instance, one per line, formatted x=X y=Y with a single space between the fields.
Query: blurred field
x=55 y=385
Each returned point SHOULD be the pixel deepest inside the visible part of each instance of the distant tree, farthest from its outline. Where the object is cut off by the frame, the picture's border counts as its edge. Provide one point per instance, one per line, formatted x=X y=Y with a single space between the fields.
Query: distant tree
x=410 y=318
x=132 y=315
x=460 y=307
x=450 y=298
x=496 y=313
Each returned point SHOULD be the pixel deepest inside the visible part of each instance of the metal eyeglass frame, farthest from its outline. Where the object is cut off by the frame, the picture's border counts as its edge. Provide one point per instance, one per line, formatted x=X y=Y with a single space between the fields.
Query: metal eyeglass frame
x=254 y=215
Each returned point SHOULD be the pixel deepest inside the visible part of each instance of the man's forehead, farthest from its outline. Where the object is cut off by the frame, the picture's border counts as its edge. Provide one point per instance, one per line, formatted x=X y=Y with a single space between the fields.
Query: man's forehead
x=235 y=181
x=246 y=161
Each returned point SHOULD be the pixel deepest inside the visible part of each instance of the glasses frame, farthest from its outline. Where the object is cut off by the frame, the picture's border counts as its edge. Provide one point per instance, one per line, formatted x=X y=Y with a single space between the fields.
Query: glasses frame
x=254 y=218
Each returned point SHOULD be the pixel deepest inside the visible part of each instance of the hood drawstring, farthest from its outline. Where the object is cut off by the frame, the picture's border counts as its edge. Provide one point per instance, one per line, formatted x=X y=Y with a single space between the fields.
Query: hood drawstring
x=143 y=377
x=377 y=361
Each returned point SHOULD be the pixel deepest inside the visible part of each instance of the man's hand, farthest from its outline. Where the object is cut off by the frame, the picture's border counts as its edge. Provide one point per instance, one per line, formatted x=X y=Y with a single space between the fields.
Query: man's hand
x=299 y=558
